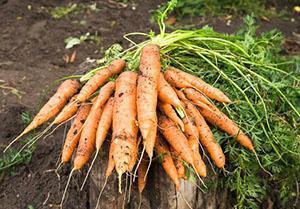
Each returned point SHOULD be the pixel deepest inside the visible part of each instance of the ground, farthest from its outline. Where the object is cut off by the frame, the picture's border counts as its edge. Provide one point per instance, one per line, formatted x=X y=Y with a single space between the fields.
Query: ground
x=31 y=58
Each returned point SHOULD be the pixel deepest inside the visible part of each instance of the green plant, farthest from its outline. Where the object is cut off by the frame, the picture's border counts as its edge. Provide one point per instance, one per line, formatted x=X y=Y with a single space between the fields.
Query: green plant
x=13 y=157
x=220 y=7
x=65 y=11
x=73 y=41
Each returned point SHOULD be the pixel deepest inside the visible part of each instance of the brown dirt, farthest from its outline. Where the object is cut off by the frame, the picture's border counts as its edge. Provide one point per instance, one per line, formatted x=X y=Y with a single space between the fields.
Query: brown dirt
x=31 y=51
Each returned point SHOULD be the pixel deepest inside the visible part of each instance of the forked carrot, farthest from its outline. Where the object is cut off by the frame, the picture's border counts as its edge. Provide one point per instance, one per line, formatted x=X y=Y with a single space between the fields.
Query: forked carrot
x=74 y=132
x=225 y=124
x=175 y=138
x=147 y=95
x=88 y=134
x=64 y=92
x=167 y=162
x=124 y=122
x=207 y=138
x=99 y=79
x=201 y=85
x=170 y=112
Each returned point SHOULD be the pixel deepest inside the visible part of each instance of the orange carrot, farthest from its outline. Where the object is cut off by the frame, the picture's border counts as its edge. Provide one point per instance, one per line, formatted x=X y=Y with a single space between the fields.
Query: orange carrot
x=99 y=79
x=88 y=134
x=147 y=95
x=142 y=179
x=198 y=162
x=67 y=112
x=111 y=162
x=74 y=133
x=178 y=163
x=167 y=162
x=221 y=120
x=175 y=138
x=206 y=137
x=124 y=122
x=195 y=96
x=135 y=156
x=166 y=93
x=199 y=84
x=170 y=112
x=104 y=123
x=66 y=90
x=175 y=80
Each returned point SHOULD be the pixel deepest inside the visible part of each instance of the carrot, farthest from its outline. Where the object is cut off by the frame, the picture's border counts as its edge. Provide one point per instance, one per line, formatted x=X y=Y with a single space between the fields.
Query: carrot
x=221 y=120
x=102 y=130
x=88 y=134
x=111 y=162
x=206 y=137
x=167 y=94
x=167 y=162
x=135 y=156
x=104 y=123
x=170 y=112
x=99 y=79
x=195 y=96
x=198 y=162
x=142 y=179
x=175 y=138
x=74 y=133
x=199 y=84
x=124 y=122
x=66 y=90
x=178 y=163
x=147 y=95
x=181 y=95
x=67 y=112
x=175 y=80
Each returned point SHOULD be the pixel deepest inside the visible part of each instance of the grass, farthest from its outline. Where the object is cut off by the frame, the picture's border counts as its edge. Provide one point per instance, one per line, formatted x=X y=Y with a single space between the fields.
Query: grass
x=71 y=9
x=265 y=88
x=192 y=8
x=12 y=157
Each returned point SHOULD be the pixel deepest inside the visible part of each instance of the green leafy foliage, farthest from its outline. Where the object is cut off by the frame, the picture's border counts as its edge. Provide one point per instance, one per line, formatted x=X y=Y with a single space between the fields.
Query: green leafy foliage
x=71 y=9
x=193 y=8
x=12 y=157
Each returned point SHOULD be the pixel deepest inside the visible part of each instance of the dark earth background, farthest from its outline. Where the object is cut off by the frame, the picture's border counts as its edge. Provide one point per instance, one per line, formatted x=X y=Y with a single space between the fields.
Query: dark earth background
x=31 y=58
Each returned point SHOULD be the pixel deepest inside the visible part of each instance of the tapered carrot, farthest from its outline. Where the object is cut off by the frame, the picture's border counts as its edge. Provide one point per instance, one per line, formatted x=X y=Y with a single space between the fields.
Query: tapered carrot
x=99 y=79
x=111 y=162
x=178 y=163
x=195 y=96
x=224 y=123
x=147 y=95
x=67 y=112
x=170 y=112
x=64 y=92
x=135 y=156
x=167 y=162
x=104 y=123
x=176 y=80
x=199 y=84
x=167 y=94
x=88 y=134
x=207 y=138
x=142 y=179
x=74 y=132
x=102 y=130
x=124 y=122
x=175 y=138
x=198 y=162
x=181 y=95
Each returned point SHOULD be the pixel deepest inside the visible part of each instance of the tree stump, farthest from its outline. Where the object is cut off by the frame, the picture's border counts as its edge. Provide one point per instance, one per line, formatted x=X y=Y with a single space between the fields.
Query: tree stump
x=159 y=192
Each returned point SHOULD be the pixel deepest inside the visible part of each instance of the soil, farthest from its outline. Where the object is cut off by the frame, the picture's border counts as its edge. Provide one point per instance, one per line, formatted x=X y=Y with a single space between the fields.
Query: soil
x=31 y=57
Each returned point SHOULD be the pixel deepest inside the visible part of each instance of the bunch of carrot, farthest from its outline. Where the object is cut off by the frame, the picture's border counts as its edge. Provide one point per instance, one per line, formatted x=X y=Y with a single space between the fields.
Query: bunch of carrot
x=169 y=109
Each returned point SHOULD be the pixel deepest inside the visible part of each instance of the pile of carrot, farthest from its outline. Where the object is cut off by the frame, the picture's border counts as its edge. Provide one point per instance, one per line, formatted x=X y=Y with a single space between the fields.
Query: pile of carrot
x=170 y=110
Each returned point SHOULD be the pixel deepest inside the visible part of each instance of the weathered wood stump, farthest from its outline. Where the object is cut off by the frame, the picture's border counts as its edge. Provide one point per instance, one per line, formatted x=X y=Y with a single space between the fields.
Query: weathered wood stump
x=159 y=192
